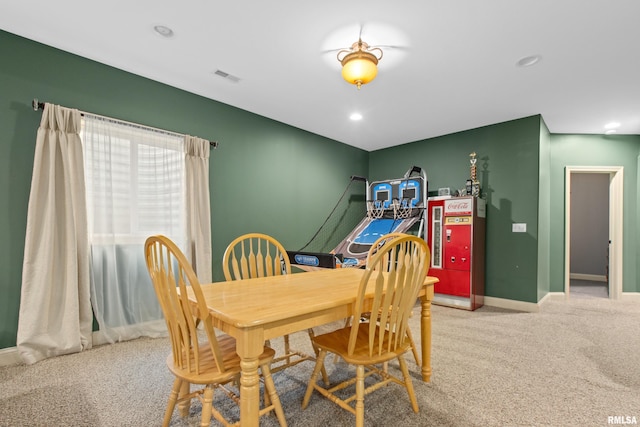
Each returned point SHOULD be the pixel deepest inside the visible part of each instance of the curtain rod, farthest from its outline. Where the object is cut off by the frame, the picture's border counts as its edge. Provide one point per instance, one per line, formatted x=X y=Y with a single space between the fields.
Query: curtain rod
x=40 y=106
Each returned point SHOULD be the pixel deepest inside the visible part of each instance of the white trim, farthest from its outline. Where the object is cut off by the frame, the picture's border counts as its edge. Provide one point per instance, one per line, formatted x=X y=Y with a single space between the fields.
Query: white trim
x=557 y=296
x=553 y=296
x=631 y=296
x=549 y=296
x=616 y=207
x=10 y=356
x=589 y=277
x=511 y=304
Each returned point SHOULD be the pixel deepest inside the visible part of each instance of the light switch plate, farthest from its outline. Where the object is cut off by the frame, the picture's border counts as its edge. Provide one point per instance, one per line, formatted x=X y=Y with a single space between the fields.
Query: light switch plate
x=519 y=228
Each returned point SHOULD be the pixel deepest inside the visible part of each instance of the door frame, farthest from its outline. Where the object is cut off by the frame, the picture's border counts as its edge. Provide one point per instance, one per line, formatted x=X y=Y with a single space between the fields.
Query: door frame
x=616 y=198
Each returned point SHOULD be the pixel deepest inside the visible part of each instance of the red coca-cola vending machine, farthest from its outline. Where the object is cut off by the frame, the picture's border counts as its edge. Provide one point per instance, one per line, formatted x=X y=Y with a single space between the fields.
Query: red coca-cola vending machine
x=457 y=243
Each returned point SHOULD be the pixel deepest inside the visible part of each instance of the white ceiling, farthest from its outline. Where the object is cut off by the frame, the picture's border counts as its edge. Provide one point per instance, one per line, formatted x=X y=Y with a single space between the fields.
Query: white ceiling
x=452 y=67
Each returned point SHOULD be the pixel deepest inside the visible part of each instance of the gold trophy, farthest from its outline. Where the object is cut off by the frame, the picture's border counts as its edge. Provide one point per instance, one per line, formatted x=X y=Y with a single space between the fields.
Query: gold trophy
x=475 y=184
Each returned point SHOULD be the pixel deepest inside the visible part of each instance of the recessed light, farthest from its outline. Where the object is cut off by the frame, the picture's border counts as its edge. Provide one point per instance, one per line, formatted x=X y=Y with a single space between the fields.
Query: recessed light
x=612 y=125
x=528 y=61
x=356 y=116
x=163 y=31
x=610 y=131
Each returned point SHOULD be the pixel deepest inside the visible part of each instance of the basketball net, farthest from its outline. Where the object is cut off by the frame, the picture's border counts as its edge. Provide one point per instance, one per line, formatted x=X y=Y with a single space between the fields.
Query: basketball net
x=401 y=209
x=375 y=209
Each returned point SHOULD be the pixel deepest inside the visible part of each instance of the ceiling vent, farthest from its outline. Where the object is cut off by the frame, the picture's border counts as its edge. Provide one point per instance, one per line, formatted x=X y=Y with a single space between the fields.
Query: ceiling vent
x=227 y=76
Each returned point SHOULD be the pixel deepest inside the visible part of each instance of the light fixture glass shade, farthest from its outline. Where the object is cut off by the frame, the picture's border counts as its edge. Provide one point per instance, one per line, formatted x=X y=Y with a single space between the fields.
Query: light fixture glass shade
x=359 y=68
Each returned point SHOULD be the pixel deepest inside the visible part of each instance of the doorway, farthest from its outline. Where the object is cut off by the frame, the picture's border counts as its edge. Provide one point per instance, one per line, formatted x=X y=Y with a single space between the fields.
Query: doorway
x=612 y=258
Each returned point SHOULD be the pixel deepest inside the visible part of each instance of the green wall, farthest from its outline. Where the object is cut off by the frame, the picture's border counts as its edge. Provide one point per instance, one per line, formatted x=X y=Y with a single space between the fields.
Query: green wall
x=522 y=172
x=272 y=178
x=596 y=150
x=508 y=171
x=265 y=176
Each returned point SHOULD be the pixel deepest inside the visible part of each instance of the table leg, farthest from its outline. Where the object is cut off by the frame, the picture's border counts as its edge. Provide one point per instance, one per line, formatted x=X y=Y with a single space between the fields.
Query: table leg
x=425 y=336
x=249 y=347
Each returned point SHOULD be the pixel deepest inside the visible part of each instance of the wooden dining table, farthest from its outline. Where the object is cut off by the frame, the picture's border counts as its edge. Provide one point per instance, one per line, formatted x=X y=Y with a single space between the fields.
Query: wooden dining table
x=255 y=310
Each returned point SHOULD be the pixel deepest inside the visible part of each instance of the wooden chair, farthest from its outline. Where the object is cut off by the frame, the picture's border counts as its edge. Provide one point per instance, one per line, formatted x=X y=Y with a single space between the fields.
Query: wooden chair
x=260 y=255
x=378 y=244
x=197 y=357
x=396 y=273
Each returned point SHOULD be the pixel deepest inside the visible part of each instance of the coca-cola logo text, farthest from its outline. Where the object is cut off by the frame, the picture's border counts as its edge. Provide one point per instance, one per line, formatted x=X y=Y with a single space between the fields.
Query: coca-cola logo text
x=458 y=206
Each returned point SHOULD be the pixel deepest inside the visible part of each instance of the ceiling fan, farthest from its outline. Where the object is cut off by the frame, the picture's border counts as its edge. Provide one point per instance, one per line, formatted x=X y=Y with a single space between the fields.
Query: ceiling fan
x=360 y=61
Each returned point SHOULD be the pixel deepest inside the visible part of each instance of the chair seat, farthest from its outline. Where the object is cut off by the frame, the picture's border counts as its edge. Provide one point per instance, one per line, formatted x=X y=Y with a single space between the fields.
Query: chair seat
x=412 y=344
x=337 y=342
x=208 y=371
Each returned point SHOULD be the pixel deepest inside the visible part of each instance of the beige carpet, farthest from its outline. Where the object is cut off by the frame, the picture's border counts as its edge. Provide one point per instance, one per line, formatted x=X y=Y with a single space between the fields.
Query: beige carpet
x=573 y=364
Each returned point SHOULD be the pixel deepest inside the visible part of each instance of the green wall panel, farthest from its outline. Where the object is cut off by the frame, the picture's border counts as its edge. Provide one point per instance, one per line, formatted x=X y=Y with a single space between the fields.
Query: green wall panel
x=596 y=150
x=265 y=176
x=284 y=184
x=508 y=173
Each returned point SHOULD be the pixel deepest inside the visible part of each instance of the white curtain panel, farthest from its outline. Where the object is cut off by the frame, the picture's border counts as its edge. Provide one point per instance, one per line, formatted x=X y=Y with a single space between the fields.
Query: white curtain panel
x=135 y=188
x=55 y=311
x=198 y=207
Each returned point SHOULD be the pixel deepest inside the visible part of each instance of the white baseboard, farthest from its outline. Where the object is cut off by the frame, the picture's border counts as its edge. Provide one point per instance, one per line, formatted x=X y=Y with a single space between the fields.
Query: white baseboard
x=510 y=304
x=9 y=356
x=550 y=296
x=630 y=296
x=558 y=296
x=553 y=296
x=590 y=277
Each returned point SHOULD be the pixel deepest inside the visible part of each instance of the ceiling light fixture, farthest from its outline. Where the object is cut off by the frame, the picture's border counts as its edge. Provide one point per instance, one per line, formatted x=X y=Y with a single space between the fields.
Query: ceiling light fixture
x=355 y=117
x=612 y=125
x=359 y=63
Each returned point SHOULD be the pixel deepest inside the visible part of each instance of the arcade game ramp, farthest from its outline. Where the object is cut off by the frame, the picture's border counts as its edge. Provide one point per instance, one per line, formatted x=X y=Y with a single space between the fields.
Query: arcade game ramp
x=355 y=247
x=392 y=206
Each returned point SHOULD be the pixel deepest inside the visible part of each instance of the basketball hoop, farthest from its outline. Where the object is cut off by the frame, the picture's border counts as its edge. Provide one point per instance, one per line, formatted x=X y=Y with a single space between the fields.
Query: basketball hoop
x=401 y=208
x=375 y=209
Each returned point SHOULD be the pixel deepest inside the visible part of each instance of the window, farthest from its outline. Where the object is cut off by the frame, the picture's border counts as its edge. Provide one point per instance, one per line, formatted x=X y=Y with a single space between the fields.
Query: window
x=135 y=186
x=134 y=179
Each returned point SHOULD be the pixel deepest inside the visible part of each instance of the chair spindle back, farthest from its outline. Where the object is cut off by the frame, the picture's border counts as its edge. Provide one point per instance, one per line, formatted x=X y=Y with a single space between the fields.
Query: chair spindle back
x=255 y=255
x=397 y=272
x=170 y=271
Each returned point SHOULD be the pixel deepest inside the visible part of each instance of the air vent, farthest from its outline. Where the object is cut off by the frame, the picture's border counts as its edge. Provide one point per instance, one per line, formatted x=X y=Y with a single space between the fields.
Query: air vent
x=227 y=76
